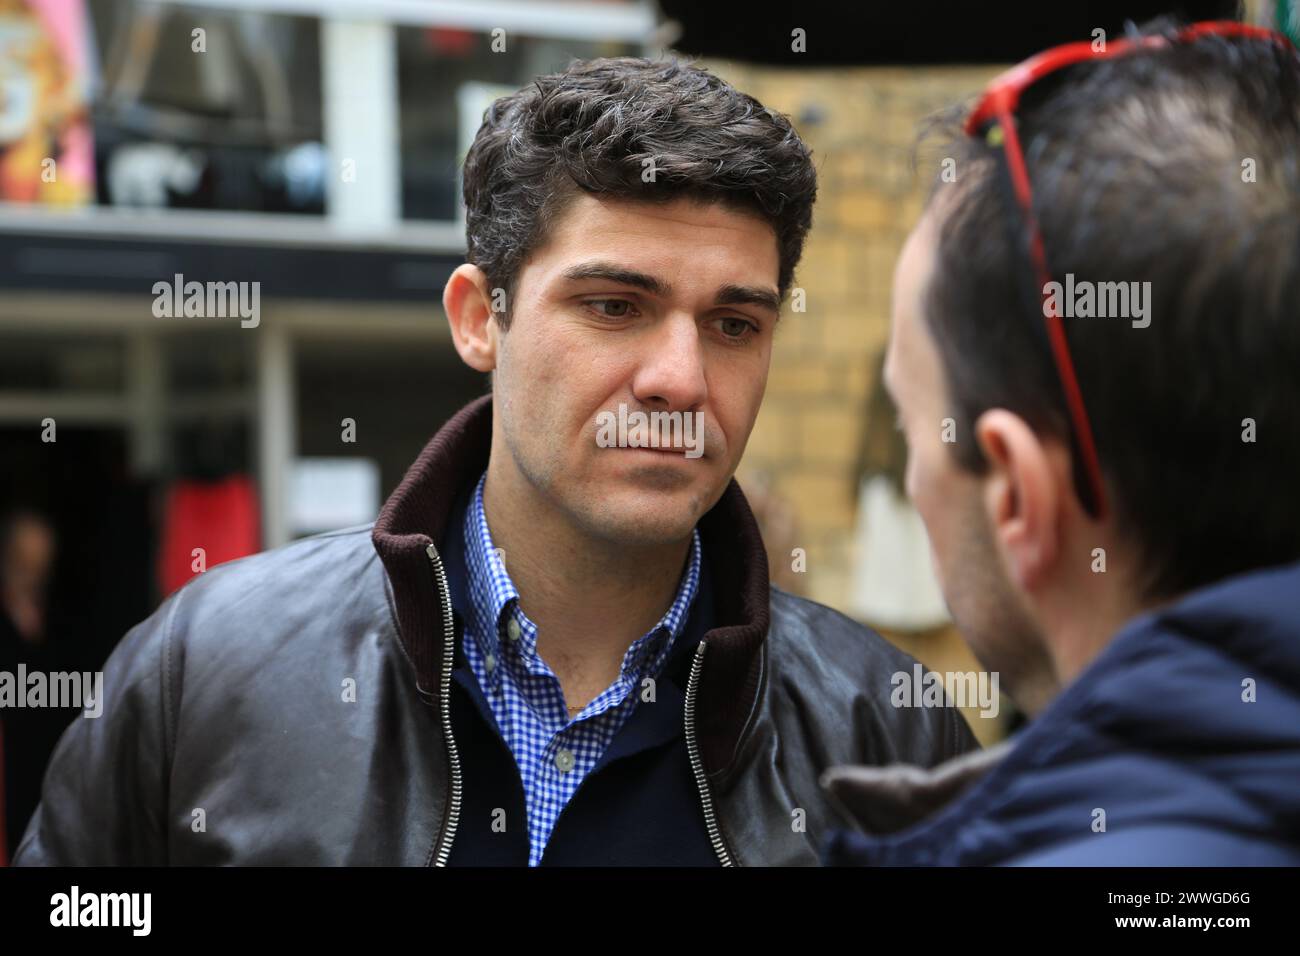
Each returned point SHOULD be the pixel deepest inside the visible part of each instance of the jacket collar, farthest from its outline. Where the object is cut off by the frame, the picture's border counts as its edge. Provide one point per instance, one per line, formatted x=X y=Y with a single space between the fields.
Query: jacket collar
x=1128 y=709
x=893 y=797
x=417 y=515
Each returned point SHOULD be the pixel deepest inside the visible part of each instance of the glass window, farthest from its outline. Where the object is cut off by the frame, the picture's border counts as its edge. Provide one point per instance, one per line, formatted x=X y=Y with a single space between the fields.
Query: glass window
x=61 y=363
x=203 y=108
x=434 y=65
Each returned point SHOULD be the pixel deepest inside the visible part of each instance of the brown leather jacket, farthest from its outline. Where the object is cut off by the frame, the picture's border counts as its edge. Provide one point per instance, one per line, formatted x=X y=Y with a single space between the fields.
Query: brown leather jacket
x=223 y=739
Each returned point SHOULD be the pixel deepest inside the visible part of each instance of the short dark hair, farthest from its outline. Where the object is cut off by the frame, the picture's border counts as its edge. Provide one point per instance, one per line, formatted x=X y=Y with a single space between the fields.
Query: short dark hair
x=1139 y=171
x=594 y=126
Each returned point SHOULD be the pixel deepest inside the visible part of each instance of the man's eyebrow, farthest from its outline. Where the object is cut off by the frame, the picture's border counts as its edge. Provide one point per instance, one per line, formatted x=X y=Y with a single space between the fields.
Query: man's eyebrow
x=619 y=275
x=750 y=295
x=727 y=295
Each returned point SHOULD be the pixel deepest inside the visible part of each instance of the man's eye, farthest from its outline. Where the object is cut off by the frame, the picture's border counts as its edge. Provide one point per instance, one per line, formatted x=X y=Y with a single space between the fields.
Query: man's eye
x=736 y=328
x=611 y=308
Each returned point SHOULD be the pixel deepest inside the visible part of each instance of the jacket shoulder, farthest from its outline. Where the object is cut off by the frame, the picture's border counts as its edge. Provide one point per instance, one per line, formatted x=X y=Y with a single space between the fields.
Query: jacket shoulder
x=253 y=692
x=283 y=594
x=318 y=560
x=823 y=661
x=802 y=626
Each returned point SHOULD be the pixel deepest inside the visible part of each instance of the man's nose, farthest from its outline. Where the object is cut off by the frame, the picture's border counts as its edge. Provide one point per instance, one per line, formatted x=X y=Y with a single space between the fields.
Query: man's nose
x=671 y=372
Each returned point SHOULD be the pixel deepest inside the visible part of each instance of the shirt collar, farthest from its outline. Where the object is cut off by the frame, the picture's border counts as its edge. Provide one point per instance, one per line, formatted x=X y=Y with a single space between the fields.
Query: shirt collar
x=494 y=601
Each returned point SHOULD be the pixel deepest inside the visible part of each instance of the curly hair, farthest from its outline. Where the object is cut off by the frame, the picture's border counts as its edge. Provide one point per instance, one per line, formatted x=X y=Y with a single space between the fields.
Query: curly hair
x=598 y=126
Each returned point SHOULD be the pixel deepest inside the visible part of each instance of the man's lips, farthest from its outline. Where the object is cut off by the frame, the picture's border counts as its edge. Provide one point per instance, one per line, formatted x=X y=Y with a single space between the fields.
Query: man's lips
x=643 y=441
x=674 y=452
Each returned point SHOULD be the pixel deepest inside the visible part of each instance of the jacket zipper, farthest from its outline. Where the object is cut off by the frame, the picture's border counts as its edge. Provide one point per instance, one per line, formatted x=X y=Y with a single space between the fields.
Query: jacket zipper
x=697 y=765
x=443 y=852
x=452 y=818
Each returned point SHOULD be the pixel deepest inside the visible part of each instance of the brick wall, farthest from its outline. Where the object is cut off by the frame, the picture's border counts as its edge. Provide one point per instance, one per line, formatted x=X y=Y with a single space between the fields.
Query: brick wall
x=862 y=125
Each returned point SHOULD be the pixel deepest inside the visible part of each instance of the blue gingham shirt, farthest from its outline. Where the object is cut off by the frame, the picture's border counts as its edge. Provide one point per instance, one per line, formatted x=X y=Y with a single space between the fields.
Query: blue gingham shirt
x=554 y=753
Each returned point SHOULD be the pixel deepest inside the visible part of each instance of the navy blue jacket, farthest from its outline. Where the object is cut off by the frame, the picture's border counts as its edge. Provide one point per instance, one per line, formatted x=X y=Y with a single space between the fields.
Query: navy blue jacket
x=1156 y=734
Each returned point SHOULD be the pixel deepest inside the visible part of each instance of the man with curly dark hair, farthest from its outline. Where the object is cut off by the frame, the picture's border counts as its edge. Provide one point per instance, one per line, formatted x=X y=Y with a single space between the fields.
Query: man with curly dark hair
x=563 y=641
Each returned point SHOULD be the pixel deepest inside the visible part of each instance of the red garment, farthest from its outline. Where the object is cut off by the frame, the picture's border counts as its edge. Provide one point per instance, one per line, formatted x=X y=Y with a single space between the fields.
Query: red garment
x=221 y=517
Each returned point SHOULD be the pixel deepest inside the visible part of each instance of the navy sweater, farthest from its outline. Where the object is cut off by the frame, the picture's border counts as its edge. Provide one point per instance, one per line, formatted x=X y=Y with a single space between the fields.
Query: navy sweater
x=638 y=807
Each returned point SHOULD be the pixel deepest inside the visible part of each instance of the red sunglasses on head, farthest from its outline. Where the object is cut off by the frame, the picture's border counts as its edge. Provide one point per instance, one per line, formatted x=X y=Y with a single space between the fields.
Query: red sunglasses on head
x=994 y=119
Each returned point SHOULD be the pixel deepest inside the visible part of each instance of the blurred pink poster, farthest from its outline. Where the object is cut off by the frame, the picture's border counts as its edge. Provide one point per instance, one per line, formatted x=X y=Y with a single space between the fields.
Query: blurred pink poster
x=46 y=150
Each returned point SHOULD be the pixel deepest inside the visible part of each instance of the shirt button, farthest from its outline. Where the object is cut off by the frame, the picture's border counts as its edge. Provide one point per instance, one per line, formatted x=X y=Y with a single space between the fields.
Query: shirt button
x=512 y=629
x=490 y=662
x=564 y=761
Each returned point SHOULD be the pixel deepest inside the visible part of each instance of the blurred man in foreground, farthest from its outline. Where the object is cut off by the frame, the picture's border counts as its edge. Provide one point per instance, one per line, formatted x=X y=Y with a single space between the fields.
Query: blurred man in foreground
x=1101 y=310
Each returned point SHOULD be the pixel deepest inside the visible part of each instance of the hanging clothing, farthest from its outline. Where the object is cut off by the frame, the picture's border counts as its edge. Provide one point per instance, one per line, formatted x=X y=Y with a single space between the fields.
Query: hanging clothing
x=220 y=517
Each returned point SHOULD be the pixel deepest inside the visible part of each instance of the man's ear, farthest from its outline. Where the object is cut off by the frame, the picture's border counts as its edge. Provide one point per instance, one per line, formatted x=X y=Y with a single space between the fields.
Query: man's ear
x=1023 y=494
x=468 y=303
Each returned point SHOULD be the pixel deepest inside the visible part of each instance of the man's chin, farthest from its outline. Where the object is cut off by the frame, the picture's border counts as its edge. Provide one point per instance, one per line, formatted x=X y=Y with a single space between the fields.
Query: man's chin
x=641 y=518
x=995 y=625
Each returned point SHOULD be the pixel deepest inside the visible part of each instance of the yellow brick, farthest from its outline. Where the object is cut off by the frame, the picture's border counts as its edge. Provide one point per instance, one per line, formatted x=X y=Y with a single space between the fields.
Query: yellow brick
x=797 y=334
x=857 y=335
x=770 y=441
x=862 y=210
x=798 y=377
x=820 y=497
x=845 y=168
x=858 y=378
x=828 y=584
x=829 y=434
